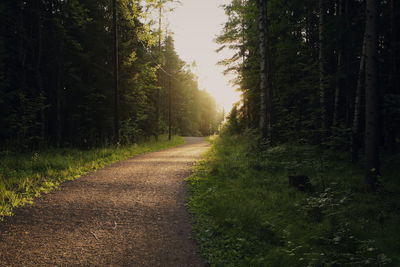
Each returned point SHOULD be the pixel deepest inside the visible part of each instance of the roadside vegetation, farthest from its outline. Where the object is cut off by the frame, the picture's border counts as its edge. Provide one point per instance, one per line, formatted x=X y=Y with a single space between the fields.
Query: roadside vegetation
x=27 y=175
x=306 y=172
x=246 y=214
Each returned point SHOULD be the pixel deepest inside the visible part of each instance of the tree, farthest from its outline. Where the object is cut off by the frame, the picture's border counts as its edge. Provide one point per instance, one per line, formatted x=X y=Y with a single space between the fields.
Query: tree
x=371 y=96
x=58 y=65
x=265 y=123
x=356 y=135
x=322 y=62
x=115 y=59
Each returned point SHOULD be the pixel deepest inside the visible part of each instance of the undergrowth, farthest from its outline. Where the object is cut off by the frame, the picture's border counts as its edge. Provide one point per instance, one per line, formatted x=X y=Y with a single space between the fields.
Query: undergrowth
x=246 y=214
x=24 y=176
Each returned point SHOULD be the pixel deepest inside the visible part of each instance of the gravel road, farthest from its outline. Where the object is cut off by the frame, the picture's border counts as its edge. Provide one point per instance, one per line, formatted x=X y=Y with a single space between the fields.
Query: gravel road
x=131 y=213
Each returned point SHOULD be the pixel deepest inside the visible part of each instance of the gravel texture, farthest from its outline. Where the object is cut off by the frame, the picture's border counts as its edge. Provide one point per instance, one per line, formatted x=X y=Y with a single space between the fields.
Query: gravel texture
x=131 y=213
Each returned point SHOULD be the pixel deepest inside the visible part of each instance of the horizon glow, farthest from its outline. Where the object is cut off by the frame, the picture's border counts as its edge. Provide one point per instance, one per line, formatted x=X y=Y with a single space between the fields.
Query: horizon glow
x=195 y=24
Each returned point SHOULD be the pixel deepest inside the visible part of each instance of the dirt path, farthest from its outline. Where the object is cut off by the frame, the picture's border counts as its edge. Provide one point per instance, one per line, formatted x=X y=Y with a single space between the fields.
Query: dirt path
x=131 y=213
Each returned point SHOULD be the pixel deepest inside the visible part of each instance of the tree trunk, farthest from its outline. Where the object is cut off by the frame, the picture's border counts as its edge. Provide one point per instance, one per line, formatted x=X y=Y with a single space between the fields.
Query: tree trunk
x=347 y=53
x=322 y=59
x=339 y=84
x=340 y=66
x=263 y=35
x=38 y=72
x=371 y=97
x=116 y=93
x=59 y=99
x=356 y=131
x=158 y=97
x=170 y=107
x=22 y=48
x=389 y=128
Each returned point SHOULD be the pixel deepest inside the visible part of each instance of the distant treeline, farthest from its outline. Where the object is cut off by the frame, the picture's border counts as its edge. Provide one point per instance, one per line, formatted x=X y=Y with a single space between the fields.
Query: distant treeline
x=57 y=76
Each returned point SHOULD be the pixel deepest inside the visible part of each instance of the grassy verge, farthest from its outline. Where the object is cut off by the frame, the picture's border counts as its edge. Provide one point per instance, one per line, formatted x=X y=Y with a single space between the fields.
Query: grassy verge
x=246 y=214
x=24 y=176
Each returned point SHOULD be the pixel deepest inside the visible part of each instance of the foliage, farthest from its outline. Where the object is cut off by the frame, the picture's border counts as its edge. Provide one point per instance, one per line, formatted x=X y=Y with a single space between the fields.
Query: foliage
x=27 y=175
x=294 y=68
x=56 y=76
x=245 y=213
x=193 y=111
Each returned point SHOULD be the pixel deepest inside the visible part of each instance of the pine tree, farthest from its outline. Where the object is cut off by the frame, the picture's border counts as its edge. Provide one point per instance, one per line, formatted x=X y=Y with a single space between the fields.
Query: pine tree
x=371 y=96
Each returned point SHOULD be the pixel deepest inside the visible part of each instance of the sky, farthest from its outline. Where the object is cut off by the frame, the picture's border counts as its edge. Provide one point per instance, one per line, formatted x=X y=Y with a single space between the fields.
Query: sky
x=195 y=24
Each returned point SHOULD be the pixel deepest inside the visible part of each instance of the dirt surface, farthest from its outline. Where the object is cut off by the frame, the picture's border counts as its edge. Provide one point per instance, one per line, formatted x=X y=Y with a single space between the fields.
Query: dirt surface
x=131 y=213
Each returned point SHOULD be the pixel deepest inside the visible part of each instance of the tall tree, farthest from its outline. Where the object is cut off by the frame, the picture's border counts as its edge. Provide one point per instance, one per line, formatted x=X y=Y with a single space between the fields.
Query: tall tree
x=265 y=128
x=322 y=62
x=115 y=58
x=170 y=89
x=371 y=96
x=38 y=67
x=356 y=128
x=158 y=100
x=341 y=14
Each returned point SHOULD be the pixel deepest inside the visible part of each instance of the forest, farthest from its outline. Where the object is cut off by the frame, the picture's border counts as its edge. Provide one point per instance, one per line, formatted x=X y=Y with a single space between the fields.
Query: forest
x=87 y=83
x=62 y=83
x=323 y=72
x=305 y=171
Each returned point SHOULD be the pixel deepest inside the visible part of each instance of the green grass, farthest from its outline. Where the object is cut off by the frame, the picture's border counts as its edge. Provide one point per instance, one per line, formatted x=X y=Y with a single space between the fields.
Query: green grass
x=25 y=176
x=245 y=214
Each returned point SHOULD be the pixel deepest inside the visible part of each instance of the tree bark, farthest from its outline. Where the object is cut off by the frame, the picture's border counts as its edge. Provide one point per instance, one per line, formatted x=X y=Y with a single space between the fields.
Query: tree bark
x=59 y=99
x=158 y=97
x=170 y=107
x=115 y=56
x=322 y=59
x=340 y=66
x=371 y=97
x=389 y=124
x=263 y=38
x=356 y=131
x=347 y=53
x=22 y=47
x=38 y=72
x=339 y=84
